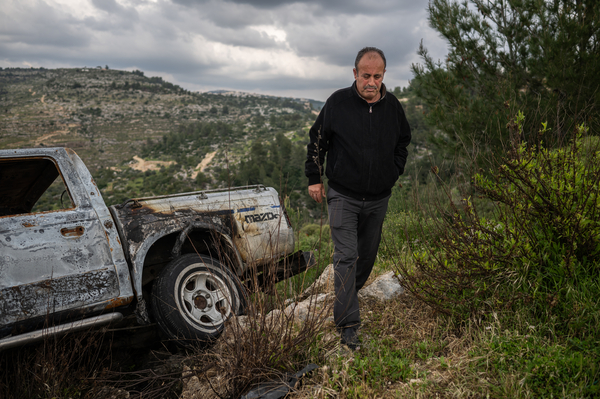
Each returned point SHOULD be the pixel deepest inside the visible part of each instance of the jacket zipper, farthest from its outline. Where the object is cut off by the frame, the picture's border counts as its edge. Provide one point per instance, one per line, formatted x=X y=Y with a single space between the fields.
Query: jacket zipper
x=370 y=131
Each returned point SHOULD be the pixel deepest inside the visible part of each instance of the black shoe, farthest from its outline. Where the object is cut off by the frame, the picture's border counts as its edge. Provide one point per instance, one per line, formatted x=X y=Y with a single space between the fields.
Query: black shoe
x=350 y=338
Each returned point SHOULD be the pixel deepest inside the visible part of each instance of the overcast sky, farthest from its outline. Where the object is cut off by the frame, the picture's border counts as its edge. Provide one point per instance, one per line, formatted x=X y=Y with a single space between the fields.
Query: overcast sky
x=303 y=48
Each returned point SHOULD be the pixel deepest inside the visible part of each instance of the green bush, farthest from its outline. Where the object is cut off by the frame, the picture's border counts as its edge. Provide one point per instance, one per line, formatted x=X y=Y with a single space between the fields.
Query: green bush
x=316 y=231
x=541 y=248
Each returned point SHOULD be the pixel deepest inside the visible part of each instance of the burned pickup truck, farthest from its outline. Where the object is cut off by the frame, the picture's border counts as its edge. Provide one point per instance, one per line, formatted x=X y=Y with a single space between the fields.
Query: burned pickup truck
x=185 y=262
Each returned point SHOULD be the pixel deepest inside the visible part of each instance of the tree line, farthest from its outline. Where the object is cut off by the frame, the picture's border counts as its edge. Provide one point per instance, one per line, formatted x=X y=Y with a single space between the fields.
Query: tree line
x=538 y=57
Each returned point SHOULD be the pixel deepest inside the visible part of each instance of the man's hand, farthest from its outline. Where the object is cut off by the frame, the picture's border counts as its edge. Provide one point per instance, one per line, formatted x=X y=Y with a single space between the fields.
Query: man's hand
x=317 y=192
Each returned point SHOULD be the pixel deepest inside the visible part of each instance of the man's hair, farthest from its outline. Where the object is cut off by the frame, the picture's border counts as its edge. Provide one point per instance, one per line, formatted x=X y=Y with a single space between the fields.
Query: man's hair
x=365 y=51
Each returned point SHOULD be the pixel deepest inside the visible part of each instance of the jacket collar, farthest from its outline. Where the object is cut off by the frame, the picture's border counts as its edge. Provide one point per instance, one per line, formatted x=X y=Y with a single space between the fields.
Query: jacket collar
x=383 y=92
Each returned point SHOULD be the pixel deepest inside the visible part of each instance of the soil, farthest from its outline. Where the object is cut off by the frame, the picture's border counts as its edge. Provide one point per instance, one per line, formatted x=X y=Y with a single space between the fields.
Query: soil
x=143 y=165
x=204 y=164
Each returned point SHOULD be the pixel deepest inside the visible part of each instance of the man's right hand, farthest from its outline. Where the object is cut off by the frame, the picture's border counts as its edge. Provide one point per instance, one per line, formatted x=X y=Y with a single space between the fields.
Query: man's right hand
x=317 y=192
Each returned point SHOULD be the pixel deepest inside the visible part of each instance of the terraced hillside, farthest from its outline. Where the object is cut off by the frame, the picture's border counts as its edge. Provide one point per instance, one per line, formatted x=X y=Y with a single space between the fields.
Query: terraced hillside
x=132 y=128
x=114 y=112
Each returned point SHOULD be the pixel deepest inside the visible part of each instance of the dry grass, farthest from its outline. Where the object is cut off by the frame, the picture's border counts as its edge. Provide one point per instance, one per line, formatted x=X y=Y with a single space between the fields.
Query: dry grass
x=408 y=351
x=436 y=354
x=263 y=346
x=56 y=368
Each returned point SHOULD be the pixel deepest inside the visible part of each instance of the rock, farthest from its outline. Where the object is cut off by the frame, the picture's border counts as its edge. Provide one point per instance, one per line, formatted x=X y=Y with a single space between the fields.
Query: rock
x=385 y=287
x=242 y=321
x=323 y=284
x=191 y=385
x=301 y=310
x=273 y=316
x=234 y=329
x=276 y=319
x=316 y=306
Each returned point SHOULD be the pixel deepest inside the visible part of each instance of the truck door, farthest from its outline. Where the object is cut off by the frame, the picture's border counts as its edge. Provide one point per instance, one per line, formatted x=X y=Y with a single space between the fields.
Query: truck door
x=54 y=255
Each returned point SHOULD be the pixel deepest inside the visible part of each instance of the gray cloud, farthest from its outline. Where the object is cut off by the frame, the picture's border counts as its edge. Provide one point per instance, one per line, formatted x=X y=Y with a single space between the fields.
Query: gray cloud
x=37 y=26
x=115 y=16
x=266 y=46
x=223 y=13
x=110 y=6
x=343 y=7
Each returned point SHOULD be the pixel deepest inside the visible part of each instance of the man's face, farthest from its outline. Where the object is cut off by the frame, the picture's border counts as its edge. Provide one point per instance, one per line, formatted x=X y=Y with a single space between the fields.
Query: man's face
x=369 y=76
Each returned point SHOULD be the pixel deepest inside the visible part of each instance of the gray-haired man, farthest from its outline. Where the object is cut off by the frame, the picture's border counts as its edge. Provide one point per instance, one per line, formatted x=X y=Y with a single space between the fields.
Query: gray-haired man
x=364 y=133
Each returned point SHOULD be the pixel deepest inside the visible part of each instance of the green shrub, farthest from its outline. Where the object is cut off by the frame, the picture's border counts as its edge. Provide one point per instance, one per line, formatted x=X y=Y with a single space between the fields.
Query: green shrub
x=541 y=248
x=314 y=230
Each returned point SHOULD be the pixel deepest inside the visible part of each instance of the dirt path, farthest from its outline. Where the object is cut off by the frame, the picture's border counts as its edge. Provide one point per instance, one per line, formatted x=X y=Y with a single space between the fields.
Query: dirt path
x=204 y=164
x=48 y=136
x=143 y=166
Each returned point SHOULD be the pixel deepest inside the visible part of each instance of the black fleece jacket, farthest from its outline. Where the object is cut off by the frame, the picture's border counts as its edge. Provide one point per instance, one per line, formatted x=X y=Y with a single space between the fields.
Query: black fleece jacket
x=365 y=144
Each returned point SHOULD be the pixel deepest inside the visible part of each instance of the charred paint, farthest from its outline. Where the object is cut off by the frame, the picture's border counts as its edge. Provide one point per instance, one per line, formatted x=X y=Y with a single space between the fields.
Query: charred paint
x=139 y=223
x=143 y=221
x=46 y=296
x=61 y=261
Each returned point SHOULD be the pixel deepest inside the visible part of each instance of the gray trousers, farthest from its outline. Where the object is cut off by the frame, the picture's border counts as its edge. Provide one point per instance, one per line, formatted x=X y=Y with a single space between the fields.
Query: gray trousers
x=356 y=233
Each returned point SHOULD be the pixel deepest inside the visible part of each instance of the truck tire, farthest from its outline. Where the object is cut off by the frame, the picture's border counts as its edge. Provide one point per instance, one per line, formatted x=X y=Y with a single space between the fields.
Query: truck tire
x=193 y=297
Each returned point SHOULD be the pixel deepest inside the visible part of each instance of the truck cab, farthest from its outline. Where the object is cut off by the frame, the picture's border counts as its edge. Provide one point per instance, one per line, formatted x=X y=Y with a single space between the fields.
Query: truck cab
x=59 y=249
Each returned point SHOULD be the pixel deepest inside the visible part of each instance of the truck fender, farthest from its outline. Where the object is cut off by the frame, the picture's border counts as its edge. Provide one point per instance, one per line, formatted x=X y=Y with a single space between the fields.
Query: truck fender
x=176 y=251
x=137 y=261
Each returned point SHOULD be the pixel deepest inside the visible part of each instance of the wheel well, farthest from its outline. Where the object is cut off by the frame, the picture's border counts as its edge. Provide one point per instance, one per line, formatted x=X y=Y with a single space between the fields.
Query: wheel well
x=199 y=241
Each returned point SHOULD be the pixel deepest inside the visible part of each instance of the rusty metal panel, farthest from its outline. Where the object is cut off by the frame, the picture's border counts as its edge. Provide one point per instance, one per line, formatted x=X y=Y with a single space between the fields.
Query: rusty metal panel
x=54 y=261
x=35 y=252
x=253 y=218
x=110 y=231
x=262 y=232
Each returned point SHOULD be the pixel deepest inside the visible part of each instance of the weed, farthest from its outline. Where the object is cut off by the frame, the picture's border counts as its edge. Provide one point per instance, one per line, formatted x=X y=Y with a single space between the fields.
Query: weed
x=540 y=249
x=58 y=367
x=521 y=359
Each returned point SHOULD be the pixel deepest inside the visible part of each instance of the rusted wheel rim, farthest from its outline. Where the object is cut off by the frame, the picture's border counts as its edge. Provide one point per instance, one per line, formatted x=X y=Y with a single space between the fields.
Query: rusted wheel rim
x=206 y=298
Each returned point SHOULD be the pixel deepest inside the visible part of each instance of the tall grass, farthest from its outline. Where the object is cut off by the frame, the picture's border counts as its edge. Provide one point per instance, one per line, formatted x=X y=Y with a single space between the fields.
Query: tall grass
x=59 y=367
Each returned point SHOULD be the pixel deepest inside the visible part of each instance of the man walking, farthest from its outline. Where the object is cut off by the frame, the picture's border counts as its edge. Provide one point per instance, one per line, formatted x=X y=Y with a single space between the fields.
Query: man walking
x=364 y=133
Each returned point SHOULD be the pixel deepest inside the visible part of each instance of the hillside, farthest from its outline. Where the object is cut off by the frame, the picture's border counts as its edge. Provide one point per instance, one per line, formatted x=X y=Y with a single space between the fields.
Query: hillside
x=107 y=115
x=144 y=136
x=110 y=117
